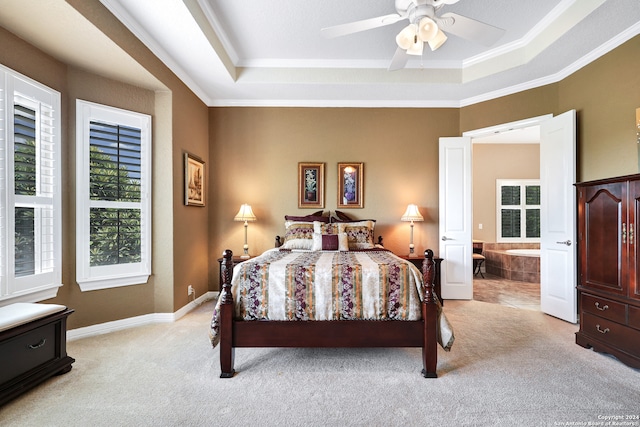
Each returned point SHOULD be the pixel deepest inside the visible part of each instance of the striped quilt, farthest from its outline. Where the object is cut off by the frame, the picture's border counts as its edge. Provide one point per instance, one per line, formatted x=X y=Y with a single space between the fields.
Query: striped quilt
x=324 y=285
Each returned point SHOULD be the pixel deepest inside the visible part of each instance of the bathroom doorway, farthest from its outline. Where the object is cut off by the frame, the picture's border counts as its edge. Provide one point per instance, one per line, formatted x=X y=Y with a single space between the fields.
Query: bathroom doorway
x=557 y=212
x=514 y=155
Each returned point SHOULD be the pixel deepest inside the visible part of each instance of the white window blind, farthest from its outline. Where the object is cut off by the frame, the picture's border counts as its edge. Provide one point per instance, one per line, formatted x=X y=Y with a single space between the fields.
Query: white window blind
x=113 y=203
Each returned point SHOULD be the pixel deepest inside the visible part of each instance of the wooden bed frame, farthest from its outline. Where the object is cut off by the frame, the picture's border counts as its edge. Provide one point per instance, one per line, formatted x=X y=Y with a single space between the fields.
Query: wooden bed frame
x=338 y=333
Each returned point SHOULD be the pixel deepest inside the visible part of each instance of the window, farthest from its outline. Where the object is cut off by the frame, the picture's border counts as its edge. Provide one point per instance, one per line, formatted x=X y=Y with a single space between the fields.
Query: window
x=113 y=206
x=30 y=212
x=518 y=216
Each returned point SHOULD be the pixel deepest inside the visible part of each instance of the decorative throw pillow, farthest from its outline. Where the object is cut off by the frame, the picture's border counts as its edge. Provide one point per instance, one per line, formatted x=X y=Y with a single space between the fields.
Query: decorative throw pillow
x=325 y=228
x=298 y=235
x=330 y=242
x=359 y=234
x=327 y=237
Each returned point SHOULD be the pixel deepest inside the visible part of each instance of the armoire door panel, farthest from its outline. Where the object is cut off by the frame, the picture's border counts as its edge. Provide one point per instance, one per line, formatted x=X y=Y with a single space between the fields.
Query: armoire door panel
x=605 y=238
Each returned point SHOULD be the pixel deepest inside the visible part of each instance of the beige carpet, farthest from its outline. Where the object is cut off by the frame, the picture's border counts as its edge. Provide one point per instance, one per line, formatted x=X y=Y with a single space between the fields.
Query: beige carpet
x=508 y=367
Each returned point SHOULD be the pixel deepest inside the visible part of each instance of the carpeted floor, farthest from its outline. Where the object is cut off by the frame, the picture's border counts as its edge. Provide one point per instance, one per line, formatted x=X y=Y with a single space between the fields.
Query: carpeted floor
x=508 y=367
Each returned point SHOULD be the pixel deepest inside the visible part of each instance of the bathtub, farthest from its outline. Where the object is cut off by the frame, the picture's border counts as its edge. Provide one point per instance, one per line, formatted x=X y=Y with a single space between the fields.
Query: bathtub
x=524 y=252
x=518 y=264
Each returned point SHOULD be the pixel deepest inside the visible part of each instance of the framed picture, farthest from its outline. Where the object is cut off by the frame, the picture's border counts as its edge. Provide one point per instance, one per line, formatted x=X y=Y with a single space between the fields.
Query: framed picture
x=194 y=180
x=350 y=184
x=311 y=185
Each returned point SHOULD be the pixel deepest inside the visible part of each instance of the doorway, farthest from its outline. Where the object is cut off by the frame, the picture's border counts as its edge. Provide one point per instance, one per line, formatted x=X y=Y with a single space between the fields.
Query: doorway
x=511 y=154
x=557 y=213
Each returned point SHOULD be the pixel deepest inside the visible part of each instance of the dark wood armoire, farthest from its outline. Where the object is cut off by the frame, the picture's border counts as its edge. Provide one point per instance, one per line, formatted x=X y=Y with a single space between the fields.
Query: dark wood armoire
x=609 y=293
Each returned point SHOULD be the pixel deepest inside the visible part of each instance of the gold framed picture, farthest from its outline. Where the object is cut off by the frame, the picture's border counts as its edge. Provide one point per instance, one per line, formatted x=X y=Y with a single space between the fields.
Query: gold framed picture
x=350 y=185
x=310 y=185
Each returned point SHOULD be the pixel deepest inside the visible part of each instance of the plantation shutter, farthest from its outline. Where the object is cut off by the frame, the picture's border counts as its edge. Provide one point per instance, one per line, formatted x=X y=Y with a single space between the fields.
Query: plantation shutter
x=35 y=179
x=115 y=187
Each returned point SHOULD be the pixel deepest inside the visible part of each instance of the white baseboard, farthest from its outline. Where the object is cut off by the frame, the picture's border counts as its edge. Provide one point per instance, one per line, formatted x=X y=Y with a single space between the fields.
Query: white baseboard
x=132 y=322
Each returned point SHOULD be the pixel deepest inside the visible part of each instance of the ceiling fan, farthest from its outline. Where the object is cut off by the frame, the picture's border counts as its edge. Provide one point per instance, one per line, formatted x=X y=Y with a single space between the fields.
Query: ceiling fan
x=425 y=27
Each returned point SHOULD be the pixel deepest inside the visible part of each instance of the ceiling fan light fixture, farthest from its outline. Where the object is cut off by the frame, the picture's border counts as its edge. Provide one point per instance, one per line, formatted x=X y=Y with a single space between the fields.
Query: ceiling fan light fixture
x=427 y=29
x=438 y=40
x=416 y=47
x=406 y=37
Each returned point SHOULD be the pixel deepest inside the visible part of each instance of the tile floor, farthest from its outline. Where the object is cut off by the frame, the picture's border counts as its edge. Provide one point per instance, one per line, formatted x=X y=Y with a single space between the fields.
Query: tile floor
x=497 y=290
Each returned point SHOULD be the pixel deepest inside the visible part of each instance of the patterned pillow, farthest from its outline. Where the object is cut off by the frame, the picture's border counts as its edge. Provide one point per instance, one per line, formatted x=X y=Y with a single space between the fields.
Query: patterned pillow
x=359 y=234
x=325 y=228
x=323 y=237
x=298 y=235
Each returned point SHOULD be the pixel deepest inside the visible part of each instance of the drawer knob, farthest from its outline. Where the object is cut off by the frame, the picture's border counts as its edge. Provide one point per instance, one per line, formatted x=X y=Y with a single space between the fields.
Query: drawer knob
x=603 y=308
x=602 y=331
x=38 y=345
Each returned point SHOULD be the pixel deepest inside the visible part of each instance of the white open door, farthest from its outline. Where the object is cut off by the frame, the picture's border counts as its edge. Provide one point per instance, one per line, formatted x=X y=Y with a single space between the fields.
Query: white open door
x=455 y=218
x=558 y=295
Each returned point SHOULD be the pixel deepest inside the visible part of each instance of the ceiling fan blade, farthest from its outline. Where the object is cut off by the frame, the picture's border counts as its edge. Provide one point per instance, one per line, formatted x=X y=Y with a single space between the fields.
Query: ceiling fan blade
x=399 y=60
x=366 y=24
x=469 y=29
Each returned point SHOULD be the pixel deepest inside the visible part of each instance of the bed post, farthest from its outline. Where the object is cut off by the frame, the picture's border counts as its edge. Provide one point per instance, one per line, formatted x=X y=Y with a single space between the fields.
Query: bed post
x=227 y=350
x=430 y=317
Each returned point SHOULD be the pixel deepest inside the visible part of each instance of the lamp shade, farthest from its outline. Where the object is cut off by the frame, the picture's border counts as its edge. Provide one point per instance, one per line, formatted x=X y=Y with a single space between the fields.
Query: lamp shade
x=412 y=214
x=416 y=48
x=245 y=214
x=406 y=38
x=427 y=29
x=437 y=41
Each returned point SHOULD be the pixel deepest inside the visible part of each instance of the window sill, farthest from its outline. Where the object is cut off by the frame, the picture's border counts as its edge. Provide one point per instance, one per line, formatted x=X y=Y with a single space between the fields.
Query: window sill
x=115 y=282
x=33 y=296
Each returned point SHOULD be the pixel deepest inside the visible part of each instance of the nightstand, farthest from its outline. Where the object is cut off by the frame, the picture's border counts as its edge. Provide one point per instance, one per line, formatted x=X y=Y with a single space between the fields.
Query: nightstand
x=417 y=261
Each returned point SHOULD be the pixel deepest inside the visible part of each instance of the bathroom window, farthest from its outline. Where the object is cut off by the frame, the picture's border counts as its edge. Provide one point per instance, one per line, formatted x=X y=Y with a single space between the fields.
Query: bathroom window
x=518 y=210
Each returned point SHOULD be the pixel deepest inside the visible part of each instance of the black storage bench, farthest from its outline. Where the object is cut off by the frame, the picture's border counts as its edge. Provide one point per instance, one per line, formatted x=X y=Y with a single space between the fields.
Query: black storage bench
x=33 y=346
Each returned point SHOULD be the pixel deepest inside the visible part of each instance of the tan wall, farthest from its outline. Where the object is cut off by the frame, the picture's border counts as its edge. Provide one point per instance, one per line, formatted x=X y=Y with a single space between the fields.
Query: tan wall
x=89 y=306
x=498 y=161
x=180 y=245
x=176 y=263
x=256 y=153
x=606 y=94
x=519 y=106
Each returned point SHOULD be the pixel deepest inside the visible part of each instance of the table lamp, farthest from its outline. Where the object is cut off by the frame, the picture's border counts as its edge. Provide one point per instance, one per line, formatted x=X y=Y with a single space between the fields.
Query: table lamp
x=412 y=214
x=245 y=214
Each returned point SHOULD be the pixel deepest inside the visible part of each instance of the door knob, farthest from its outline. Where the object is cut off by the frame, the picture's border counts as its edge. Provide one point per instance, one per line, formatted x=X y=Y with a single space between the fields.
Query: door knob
x=445 y=238
x=566 y=242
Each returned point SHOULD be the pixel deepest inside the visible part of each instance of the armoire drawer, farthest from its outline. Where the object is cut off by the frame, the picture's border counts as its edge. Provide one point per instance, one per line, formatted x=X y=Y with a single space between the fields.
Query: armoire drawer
x=604 y=307
x=615 y=334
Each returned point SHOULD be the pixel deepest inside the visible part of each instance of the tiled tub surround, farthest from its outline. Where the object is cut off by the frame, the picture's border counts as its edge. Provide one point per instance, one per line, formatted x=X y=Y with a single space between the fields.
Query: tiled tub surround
x=513 y=267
